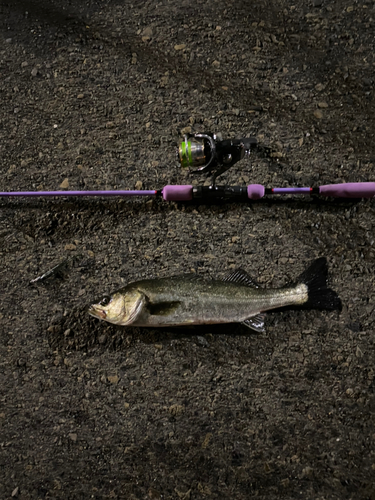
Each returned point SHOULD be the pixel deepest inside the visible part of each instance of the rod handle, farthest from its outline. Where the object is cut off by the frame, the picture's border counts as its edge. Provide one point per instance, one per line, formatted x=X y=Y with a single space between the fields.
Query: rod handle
x=349 y=190
x=185 y=192
x=177 y=193
x=255 y=191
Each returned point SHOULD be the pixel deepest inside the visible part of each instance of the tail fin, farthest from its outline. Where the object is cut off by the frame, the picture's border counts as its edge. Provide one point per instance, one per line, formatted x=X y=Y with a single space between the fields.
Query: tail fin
x=319 y=295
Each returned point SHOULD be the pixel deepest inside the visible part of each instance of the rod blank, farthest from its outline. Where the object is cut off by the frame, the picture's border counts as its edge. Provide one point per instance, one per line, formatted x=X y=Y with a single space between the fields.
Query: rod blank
x=79 y=193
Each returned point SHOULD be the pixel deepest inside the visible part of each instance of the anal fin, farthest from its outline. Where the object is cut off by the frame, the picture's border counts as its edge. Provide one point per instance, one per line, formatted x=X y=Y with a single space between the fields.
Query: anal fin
x=256 y=322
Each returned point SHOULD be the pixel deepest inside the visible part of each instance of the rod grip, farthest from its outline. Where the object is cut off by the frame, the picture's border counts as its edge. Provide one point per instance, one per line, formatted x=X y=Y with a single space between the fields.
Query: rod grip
x=177 y=193
x=349 y=190
x=255 y=191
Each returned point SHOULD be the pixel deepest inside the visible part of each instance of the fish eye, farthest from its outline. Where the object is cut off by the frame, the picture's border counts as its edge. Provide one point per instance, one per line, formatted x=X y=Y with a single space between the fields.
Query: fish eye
x=105 y=301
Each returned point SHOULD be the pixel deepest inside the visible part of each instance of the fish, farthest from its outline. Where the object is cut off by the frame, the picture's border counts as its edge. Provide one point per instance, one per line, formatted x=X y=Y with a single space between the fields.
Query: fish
x=193 y=300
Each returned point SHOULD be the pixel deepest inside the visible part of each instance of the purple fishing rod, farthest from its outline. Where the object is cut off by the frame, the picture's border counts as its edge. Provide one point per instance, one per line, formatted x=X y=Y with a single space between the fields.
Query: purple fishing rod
x=189 y=192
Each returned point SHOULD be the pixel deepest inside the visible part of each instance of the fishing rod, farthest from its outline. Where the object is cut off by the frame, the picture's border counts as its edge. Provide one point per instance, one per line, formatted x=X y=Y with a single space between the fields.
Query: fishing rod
x=209 y=154
x=204 y=193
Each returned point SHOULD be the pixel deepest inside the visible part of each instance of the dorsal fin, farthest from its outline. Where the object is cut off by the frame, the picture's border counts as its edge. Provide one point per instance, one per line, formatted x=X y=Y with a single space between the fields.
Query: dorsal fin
x=256 y=322
x=241 y=277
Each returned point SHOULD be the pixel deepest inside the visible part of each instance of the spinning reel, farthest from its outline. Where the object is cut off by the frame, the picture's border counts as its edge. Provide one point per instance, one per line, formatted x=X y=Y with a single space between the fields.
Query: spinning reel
x=208 y=153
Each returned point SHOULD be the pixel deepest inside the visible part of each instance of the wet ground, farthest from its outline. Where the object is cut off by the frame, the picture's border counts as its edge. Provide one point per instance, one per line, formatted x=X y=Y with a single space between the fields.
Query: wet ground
x=94 y=95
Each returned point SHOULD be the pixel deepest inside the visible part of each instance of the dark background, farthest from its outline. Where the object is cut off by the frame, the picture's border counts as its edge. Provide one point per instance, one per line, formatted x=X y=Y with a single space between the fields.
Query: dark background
x=94 y=95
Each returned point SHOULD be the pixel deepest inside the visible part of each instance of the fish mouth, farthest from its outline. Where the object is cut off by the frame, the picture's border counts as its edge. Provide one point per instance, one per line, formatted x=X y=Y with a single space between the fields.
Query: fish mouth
x=96 y=312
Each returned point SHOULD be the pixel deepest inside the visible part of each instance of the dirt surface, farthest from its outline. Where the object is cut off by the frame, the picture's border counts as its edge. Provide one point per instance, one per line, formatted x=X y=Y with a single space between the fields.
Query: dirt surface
x=94 y=95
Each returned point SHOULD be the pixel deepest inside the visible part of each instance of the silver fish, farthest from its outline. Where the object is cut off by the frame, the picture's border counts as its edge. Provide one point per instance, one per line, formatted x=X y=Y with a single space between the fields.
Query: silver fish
x=191 y=300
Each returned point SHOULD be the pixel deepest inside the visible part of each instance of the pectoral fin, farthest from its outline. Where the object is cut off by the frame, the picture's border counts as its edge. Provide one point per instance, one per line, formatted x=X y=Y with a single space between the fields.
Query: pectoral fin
x=256 y=322
x=162 y=308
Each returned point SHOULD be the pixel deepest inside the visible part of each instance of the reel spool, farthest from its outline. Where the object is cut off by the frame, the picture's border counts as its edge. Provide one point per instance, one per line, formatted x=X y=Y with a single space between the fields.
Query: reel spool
x=208 y=153
x=196 y=150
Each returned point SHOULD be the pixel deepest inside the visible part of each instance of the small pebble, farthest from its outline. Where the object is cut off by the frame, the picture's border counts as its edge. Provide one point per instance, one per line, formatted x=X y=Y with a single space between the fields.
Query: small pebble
x=113 y=379
x=65 y=183
x=70 y=246
x=147 y=32
x=176 y=410
x=318 y=114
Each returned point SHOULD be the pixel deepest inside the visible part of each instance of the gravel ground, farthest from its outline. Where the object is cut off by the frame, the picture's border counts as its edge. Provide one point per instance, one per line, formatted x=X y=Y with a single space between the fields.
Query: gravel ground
x=94 y=95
